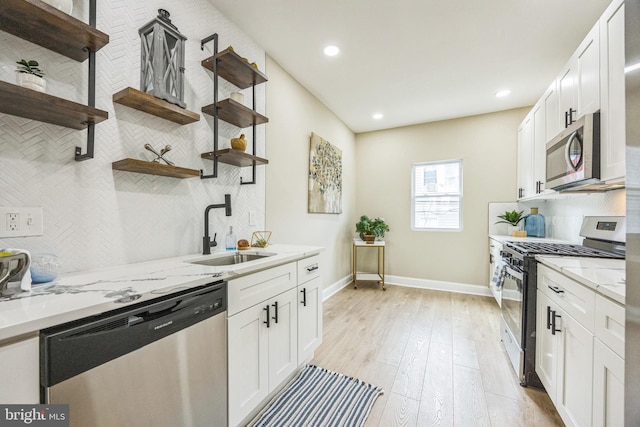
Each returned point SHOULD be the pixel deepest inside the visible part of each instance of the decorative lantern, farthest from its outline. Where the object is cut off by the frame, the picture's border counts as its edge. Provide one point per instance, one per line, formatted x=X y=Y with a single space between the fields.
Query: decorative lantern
x=162 y=59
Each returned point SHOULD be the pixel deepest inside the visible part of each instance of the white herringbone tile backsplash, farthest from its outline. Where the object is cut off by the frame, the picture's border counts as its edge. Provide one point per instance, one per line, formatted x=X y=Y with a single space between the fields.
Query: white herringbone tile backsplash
x=94 y=216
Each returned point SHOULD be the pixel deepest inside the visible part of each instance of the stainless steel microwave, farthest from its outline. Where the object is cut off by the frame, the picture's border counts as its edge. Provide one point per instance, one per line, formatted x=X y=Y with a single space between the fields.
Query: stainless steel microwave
x=573 y=157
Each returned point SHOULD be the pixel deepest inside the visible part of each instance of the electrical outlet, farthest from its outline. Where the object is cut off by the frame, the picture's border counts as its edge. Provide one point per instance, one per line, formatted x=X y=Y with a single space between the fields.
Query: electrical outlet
x=21 y=222
x=13 y=221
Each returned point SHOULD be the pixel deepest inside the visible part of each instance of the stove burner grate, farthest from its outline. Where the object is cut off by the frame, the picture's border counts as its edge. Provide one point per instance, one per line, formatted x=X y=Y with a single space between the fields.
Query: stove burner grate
x=566 y=249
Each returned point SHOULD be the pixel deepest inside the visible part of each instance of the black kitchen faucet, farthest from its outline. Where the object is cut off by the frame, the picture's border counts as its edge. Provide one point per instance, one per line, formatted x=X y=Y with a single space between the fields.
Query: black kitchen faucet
x=207 y=244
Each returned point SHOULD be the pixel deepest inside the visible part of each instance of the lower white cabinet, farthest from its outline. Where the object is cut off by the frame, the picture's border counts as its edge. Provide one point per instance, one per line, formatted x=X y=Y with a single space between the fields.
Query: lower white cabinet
x=262 y=351
x=580 y=350
x=608 y=386
x=309 y=318
x=20 y=368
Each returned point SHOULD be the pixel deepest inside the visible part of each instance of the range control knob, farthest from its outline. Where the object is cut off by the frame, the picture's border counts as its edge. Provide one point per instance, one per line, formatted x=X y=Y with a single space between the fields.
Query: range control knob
x=504 y=254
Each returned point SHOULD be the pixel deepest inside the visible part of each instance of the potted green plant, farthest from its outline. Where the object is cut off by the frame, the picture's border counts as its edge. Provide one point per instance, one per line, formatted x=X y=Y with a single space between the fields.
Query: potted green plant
x=513 y=218
x=369 y=229
x=29 y=75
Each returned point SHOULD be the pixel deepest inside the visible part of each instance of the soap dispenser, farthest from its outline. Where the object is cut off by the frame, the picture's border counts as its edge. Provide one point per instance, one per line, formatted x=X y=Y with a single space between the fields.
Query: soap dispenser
x=230 y=243
x=534 y=224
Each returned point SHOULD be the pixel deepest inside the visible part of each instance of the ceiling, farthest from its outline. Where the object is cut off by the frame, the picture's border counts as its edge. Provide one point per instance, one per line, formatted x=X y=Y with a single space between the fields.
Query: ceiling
x=417 y=61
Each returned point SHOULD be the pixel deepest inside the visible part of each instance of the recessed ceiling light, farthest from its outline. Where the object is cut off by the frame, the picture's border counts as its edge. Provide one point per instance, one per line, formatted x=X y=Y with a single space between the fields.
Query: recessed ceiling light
x=331 y=50
x=377 y=116
x=503 y=93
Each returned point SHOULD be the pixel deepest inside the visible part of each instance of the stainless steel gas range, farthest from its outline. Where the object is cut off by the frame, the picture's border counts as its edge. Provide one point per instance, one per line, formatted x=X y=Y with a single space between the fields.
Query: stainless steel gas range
x=604 y=237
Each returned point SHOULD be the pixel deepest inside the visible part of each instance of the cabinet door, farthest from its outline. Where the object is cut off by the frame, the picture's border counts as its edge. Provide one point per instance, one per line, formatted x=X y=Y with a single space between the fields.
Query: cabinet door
x=551 y=114
x=19 y=371
x=567 y=92
x=525 y=159
x=539 y=148
x=608 y=387
x=588 y=73
x=309 y=318
x=575 y=372
x=546 y=348
x=283 y=337
x=612 y=109
x=248 y=361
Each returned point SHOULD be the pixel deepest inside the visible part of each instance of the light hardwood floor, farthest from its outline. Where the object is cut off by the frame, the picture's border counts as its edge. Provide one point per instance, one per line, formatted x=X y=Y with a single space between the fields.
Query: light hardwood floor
x=437 y=355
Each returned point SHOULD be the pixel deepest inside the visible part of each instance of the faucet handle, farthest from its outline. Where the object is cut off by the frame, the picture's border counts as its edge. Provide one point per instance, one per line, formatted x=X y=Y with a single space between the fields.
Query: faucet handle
x=213 y=242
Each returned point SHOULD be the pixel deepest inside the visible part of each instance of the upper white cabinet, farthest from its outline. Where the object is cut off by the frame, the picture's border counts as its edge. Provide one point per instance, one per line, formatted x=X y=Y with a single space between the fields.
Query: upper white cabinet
x=592 y=80
x=612 y=97
x=579 y=81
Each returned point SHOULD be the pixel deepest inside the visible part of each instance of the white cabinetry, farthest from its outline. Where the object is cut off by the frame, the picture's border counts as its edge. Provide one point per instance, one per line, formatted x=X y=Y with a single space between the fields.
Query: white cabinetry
x=309 y=307
x=564 y=344
x=525 y=158
x=579 y=81
x=262 y=337
x=19 y=370
x=612 y=97
x=608 y=364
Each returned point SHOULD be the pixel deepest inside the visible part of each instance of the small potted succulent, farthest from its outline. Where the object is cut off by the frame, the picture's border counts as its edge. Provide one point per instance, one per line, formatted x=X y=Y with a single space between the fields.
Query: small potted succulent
x=369 y=229
x=29 y=75
x=513 y=218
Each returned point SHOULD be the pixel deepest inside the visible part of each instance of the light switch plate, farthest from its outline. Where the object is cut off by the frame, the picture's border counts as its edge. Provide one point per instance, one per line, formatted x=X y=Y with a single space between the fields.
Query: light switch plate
x=21 y=222
x=252 y=217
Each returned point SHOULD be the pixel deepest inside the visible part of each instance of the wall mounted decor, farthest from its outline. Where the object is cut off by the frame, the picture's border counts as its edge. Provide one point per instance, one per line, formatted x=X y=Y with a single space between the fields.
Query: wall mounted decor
x=325 y=176
x=162 y=59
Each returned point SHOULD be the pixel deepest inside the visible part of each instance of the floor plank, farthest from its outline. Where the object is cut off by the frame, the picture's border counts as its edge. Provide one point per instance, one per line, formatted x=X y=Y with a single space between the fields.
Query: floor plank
x=437 y=355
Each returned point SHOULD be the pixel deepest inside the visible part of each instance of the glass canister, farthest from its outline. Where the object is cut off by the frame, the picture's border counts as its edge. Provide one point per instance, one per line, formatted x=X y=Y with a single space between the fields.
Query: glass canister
x=534 y=224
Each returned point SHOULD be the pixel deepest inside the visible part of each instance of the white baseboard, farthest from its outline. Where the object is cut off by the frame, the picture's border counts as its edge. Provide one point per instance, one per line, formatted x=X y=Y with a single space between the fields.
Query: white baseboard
x=436 y=285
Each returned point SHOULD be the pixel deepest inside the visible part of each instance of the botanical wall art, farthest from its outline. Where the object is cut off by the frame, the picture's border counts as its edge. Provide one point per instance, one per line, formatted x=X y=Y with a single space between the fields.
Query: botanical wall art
x=325 y=176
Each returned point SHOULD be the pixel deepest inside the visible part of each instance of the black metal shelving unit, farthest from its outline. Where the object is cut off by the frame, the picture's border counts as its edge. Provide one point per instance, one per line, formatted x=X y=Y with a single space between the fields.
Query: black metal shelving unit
x=237 y=71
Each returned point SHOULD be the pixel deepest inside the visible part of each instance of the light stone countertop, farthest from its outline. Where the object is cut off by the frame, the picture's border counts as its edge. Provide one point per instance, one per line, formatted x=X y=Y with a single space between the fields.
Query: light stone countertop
x=605 y=276
x=77 y=295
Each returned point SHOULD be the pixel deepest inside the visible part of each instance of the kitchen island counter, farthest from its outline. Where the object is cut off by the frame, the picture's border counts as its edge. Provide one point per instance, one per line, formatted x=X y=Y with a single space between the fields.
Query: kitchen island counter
x=77 y=295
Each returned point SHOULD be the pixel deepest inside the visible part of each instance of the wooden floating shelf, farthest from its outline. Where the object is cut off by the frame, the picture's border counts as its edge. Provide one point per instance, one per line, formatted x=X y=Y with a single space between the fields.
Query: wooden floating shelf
x=235 y=113
x=234 y=69
x=152 y=168
x=48 y=27
x=142 y=101
x=235 y=158
x=30 y=104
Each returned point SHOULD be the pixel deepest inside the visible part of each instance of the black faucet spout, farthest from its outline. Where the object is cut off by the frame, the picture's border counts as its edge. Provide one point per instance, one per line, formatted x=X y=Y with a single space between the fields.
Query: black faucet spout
x=206 y=241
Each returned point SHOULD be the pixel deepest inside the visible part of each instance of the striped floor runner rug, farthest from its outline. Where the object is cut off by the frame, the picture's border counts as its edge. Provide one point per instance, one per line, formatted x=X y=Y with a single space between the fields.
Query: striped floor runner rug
x=317 y=397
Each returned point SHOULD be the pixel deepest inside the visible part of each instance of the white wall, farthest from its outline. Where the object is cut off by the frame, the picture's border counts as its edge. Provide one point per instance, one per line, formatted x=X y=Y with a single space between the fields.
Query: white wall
x=293 y=114
x=94 y=216
x=487 y=146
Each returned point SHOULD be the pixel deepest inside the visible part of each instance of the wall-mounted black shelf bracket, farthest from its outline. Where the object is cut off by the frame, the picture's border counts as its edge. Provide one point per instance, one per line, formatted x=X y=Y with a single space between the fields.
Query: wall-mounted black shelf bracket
x=213 y=37
x=91 y=134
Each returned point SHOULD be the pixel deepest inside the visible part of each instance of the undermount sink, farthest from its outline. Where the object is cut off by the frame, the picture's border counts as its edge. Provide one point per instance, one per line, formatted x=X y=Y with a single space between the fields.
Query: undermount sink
x=231 y=259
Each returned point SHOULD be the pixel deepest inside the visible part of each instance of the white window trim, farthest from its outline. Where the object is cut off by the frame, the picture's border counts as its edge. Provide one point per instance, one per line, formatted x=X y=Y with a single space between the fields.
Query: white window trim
x=413 y=197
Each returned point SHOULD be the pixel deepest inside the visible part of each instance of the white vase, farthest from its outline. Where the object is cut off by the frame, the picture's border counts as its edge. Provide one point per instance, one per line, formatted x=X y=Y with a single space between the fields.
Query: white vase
x=65 y=6
x=31 y=81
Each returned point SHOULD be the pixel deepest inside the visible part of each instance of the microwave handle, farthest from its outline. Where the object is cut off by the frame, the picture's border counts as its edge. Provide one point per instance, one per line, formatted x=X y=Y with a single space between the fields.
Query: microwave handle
x=567 y=151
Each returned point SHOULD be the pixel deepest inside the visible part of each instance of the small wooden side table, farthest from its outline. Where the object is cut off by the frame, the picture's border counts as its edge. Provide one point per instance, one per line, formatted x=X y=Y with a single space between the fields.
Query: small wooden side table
x=358 y=275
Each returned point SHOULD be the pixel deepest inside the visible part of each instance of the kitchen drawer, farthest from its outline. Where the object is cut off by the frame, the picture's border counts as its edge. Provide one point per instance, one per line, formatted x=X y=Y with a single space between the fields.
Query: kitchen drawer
x=308 y=268
x=574 y=298
x=610 y=318
x=250 y=290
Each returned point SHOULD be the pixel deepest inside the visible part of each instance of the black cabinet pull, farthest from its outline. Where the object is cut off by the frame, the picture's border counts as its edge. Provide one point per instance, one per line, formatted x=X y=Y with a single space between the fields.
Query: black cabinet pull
x=548 y=317
x=566 y=119
x=268 y=316
x=571 y=119
x=304 y=297
x=556 y=289
x=275 y=305
x=312 y=268
x=553 y=322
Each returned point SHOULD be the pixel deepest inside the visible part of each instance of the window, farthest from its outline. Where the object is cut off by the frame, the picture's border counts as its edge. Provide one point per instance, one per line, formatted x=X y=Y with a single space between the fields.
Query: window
x=436 y=195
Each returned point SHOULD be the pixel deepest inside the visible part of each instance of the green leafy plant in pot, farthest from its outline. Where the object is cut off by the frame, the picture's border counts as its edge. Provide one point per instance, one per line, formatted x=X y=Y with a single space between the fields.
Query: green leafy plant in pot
x=512 y=218
x=369 y=229
x=29 y=75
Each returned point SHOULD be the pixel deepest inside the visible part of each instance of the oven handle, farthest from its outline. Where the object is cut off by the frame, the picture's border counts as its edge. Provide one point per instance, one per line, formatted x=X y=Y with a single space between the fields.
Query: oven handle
x=515 y=273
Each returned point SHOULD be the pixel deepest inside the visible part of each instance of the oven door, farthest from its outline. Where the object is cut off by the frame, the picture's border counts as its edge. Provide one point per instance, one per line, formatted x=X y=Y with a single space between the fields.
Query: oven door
x=512 y=301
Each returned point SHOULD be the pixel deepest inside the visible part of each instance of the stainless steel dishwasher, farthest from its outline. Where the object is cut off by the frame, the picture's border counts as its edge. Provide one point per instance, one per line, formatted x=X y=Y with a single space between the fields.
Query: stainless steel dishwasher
x=157 y=363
